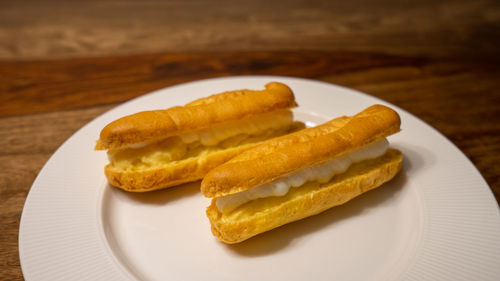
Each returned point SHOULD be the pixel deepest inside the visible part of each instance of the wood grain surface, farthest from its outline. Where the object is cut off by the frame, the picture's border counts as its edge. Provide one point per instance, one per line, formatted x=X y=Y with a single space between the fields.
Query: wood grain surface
x=32 y=29
x=64 y=63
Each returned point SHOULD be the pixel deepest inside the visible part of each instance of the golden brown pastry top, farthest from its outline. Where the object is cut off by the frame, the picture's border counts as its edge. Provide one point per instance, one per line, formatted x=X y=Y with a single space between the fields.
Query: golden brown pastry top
x=286 y=154
x=152 y=125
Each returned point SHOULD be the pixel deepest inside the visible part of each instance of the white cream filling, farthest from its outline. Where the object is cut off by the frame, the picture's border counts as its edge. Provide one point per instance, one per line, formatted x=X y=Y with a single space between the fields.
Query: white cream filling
x=322 y=173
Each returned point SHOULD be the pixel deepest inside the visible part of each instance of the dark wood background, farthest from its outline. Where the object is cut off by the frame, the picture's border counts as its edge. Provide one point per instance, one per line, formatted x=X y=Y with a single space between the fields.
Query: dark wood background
x=62 y=63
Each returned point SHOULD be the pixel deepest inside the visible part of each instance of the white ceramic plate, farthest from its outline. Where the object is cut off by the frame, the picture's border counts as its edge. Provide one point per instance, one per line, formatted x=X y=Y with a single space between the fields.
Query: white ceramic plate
x=437 y=220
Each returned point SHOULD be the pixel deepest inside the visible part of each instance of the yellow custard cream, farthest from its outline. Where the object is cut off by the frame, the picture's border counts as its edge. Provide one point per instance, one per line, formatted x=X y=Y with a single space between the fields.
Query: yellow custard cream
x=220 y=136
x=219 y=132
x=321 y=173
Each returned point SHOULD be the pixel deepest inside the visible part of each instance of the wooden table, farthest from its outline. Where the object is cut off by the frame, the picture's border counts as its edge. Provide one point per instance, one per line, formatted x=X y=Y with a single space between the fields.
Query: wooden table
x=439 y=62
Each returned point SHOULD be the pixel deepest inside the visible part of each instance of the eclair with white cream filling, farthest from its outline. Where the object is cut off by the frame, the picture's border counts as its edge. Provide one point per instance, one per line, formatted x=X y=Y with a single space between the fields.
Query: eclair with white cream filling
x=301 y=174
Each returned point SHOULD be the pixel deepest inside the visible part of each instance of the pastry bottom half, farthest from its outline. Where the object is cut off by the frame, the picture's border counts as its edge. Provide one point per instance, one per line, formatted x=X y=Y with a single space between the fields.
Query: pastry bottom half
x=175 y=173
x=261 y=215
x=158 y=173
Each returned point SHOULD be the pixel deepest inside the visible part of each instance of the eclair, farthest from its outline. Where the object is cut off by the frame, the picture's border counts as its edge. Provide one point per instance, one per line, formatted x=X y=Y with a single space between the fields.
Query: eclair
x=156 y=149
x=301 y=174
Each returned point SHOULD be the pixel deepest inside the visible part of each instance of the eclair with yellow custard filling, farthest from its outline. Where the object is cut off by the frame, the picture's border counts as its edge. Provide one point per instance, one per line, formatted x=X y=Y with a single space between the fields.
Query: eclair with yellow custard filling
x=162 y=148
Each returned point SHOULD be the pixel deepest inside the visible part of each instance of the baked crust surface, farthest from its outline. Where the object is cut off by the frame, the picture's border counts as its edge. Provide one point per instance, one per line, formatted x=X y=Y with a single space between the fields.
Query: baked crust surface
x=202 y=113
x=278 y=157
